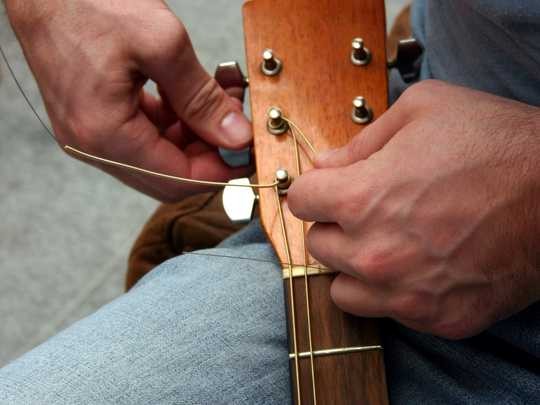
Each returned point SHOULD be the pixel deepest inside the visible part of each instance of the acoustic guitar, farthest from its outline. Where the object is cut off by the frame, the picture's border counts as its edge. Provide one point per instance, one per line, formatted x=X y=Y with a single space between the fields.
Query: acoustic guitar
x=317 y=77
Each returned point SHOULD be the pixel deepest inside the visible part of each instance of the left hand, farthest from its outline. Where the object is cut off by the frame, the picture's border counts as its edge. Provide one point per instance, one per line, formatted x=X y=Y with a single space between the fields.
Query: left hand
x=432 y=214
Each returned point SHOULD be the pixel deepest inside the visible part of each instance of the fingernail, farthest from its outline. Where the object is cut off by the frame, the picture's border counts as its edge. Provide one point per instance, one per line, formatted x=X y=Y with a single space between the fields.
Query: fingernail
x=237 y=128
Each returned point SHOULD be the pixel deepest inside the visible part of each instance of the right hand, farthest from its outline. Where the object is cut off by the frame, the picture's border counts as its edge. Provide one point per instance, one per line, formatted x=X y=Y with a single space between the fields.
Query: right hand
x=91 y=59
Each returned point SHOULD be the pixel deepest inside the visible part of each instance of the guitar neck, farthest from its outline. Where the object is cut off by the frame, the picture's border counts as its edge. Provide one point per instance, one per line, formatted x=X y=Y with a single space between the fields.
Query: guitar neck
x=313 y=75
x=348 y=365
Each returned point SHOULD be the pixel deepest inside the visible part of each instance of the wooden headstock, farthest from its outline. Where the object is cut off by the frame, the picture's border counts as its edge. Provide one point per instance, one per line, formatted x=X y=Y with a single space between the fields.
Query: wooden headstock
x=315 y=88
x=313 y=79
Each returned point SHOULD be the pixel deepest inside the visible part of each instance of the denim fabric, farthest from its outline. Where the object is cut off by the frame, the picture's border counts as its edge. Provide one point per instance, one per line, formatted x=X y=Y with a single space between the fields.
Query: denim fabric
x=197 y=330
x=211 y=330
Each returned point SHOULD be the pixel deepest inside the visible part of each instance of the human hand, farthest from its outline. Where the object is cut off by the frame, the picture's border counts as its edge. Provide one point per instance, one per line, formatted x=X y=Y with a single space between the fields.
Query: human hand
x=91 y=59
x=432 y=214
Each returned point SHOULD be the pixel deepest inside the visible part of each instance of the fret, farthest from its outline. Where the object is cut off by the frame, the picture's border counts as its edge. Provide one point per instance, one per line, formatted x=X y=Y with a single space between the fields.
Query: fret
x=301 y=271
x=337 y=351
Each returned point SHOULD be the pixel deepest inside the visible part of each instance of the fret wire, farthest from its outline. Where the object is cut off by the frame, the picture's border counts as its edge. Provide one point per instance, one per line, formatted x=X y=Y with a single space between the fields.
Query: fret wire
x=291 y=294
x=306 y=281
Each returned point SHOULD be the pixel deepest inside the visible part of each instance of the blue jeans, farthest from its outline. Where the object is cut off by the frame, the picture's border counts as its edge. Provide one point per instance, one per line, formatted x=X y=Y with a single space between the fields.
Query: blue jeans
x=211 y=330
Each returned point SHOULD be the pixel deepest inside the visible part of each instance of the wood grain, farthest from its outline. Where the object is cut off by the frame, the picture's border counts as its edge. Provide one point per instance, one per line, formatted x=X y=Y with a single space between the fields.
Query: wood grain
x=315 y=89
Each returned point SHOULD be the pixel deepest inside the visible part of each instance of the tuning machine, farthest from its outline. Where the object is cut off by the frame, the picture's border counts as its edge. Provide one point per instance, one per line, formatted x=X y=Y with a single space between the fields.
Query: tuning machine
x=271 y=65
x=360 y=54
x=406 y=60
x=239 y=202
x=362 y=113
x=229 y=75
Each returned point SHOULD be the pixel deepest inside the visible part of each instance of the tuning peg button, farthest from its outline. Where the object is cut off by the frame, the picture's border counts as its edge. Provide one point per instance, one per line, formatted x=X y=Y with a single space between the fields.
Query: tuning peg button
x=239 y=202
x=229 y=75
x=407 y=59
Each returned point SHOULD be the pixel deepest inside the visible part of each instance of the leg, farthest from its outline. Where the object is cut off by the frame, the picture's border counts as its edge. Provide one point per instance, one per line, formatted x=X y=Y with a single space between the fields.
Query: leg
x=198 y=329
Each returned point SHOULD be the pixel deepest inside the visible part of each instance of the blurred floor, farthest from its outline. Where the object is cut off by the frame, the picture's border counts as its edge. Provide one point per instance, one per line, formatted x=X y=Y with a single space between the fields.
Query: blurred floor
x=65 y=228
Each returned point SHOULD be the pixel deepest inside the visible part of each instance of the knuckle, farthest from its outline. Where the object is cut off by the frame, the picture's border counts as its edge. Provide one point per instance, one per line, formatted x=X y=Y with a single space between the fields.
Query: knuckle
x=350 y=204
x=414 y=94
x=421 y=92
x=85 y=135
x=414 y=307
x=162 y=44
x=373 y=268
x=175 y=39
x=204 y=101
x=172 y=38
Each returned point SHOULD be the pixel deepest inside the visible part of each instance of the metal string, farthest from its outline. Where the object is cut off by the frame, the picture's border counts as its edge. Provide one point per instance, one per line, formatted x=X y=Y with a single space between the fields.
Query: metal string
x=291 y=294
x=114 y=163
x=109 y=162
x=306 y=260
x=23 y=93
x=294 y=130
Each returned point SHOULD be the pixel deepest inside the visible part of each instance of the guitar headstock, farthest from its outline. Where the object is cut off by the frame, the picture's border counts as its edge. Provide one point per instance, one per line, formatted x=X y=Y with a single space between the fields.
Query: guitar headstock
x=313 y=74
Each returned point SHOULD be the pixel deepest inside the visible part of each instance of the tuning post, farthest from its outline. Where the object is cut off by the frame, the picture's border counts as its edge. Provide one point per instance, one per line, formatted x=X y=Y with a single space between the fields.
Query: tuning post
x=271 y=65
x=284 y=181
x=276 y=124
x=360 y=55
x=362 y=114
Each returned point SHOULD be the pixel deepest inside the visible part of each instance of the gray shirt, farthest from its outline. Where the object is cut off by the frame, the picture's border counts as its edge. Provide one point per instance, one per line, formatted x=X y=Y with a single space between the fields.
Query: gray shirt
x=490 y=45
x=494 y=46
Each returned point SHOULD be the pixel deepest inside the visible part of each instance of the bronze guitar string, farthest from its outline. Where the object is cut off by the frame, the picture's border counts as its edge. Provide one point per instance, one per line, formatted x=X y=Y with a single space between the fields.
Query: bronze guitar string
x=294 y=130
x=296 y=357
x=306 y=258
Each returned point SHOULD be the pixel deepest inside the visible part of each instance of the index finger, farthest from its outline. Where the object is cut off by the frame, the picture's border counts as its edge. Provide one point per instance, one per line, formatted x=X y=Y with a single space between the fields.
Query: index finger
x=322 y=195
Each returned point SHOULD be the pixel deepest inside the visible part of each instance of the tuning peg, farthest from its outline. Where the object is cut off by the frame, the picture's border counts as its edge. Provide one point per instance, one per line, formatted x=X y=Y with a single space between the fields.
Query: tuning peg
x=271 y=65
x=362 y=113
x=239 y=202
x=229 y=75
x=360 y=55
x=406 y=60
x=235 y=158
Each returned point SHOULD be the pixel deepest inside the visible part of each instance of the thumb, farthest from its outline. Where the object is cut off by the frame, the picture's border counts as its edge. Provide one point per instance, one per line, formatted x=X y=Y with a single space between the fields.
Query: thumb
x=372 y=139
x=198 y=100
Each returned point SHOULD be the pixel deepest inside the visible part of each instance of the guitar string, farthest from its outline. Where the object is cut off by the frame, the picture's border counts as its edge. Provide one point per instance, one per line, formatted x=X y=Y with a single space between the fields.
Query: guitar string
x=23 y=93
x=34 y=111
x=114 y=163
x=293 y=127
x=306 y=261
x=291 y=295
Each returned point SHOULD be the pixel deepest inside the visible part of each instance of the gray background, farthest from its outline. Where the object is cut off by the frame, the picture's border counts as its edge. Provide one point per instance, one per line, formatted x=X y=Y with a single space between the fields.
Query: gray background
x=65 y=228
